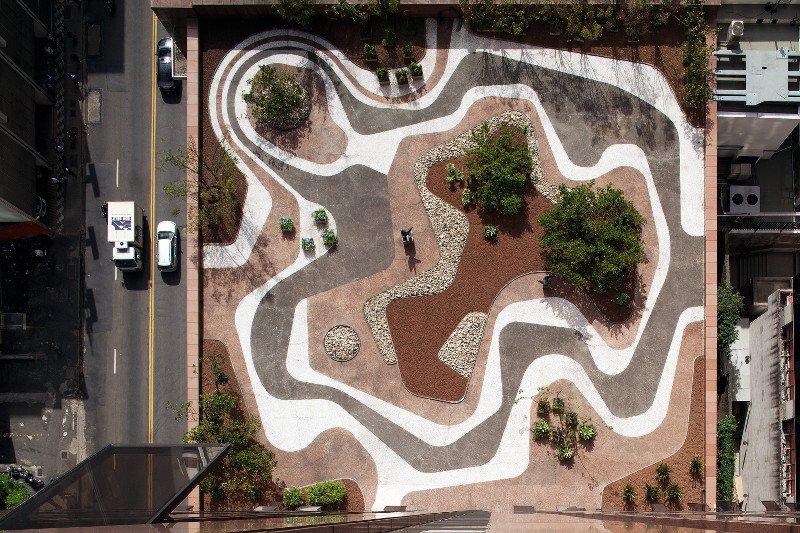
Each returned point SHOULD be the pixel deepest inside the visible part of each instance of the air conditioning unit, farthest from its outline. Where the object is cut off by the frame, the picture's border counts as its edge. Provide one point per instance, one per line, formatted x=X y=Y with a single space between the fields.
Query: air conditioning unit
x=745 y=199
x=735 y=31
x=740 y=171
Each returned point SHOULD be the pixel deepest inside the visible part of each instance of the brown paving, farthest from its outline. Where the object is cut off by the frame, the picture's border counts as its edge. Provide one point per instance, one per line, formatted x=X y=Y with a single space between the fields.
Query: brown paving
x=547 y=484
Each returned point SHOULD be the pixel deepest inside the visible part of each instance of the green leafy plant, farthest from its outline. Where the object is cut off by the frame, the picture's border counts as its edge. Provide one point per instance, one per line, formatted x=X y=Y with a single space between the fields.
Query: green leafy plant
x=541 y=430
x=571 y=419
x=505 y=16
x=370 y=52
x=327 y=493
x=586 y=431
x=12 y=492
x=662 y=473
x=566 y=453
x=558 y=405
x=329 y=237
x=696 y=466
x=542 y=406
x=587 y=21
x=729 y=309
x=277 y=98
x=388 y=39
x=416 y=69
x=307 y=244
x=652 y=493
x=297 y=11
x=454 y=175
x=490 y=232
x=467 y=198
x=286 y=224
x=696 y=52
x=674 y=493
x=320 y=216
x=382 y=74
x=621 y=298
x=293 y=498
x=592 y=238
x=402 y=76
x=344 y=10
x=407 y=49
x=629 y=493
x=726 y=430
x=499 y=169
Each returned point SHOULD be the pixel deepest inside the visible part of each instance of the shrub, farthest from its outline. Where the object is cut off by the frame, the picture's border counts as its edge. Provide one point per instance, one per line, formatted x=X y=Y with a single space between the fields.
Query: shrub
x=566 y=453
x=388 y=39
x=587 y=21
x=297 y=11
x=501 y=17
x=344 y=10
x=559 y=436
x=286 y=223
x=329 y=237
x=592 y=238
x=571 y=419
x=726 y=429
x=370 y=51
x=674 y=493
x=12 y=492
x=454 y=174
x=542 y=406
x=499 y=169
x=696 y=466
x=696 y=52
x=382 y=74
x=652 y=493
x=402 y=76
x=277 y=98
x=467 y=198
x=541 y=430
x=629 y=493
x=328 y=493
x=621 y=298
x=558 y=405
x=490 y=232
x=729 y=308
x=416 y=69
x=586 y=431
x=407 y=49
x=662 y=473
x=320 y=215
x=293 y=498
x=307 y=244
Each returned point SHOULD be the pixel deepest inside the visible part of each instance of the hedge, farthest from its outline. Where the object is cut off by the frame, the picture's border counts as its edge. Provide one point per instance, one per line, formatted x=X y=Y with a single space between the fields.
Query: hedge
x=329 y=493
x=725 y=458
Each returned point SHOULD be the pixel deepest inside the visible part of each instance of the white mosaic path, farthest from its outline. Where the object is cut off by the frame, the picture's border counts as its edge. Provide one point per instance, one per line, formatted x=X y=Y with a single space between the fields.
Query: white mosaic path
x=293 y=424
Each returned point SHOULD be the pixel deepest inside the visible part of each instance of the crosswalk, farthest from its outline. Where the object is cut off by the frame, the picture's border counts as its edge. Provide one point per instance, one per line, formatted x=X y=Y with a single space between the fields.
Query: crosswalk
x=472 y=522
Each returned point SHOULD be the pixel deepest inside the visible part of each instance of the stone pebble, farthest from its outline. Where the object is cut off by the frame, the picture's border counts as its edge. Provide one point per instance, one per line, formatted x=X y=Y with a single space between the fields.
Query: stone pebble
x=341 y=343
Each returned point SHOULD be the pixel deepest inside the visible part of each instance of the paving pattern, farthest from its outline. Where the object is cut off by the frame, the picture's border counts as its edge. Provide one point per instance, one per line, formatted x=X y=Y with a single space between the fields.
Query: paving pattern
x=597 y=115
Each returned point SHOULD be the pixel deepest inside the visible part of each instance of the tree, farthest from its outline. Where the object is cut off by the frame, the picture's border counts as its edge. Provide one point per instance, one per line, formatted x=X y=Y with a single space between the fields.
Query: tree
x=696 y=53
x=499 y=169
x=509 y=17
x=278 y=98
x=296 y=11
x=12 y=493
x=592 y=238
x=729 y=308
x=344 y=10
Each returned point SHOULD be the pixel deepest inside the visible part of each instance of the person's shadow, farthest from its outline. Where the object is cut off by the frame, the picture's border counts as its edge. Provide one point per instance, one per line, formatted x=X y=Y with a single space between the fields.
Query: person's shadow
x=411 y=252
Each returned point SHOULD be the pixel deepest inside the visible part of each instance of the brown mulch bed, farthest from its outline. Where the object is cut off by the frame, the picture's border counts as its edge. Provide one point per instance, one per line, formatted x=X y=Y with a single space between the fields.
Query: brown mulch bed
x=694 y=445
x=272 y=493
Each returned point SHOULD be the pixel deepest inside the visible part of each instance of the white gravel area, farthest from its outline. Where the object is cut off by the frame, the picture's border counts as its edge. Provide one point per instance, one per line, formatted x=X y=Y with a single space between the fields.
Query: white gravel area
x=461 y=350
x=341 y=343
x=451 y=228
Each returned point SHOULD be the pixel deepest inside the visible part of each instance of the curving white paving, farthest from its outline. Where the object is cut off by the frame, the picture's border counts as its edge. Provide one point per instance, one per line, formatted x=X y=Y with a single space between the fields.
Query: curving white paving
x=293 y=424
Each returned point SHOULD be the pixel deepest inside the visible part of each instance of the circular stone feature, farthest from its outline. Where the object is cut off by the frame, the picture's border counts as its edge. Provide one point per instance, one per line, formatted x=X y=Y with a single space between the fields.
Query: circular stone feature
x=342 y=343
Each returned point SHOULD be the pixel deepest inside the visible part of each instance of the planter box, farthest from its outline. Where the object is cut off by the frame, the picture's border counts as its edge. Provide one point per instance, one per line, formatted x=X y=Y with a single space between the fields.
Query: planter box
x=371 y=61
x=383 y=82
x=409 y=59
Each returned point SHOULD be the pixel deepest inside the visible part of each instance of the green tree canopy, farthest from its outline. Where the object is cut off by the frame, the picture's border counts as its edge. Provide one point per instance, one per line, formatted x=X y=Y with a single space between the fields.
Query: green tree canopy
x=729 y=308
x=499 y=169
x=277 y=98
x=592 y=237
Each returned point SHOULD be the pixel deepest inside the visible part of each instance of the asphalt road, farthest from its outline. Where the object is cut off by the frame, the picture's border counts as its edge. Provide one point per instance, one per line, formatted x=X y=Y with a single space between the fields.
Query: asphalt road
x=117 y=361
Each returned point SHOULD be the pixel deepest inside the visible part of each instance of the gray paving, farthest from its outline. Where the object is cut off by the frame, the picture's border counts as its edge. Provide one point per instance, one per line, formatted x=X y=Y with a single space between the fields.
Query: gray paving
x=589 y=117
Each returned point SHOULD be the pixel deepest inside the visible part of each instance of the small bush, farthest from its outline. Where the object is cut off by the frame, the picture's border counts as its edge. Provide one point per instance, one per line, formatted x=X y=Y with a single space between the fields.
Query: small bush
x=454 y=175
x=570 y=419
x=297 y=11
x=542 y=406
x=652 y=493
x=662 y=473
x=320 y=216
x=621 y=298
x=388 y=39
x=566 y=453
x=558 y=405
x=286 y=223
x=541 y=430
x=629 y=493
x=370 y=52
x=559 y=436
x=674 y=493
x=382 y=74
x=307 y=244
x=467 y=198
x=328 y=493
x=402 y=76
x=407 y=49
x=293 y=498
x=696 y=466
x=416 y=69
x=729 y=307
x=12 y=492
x=329 y=237
x=586 y=431
x=490 y=232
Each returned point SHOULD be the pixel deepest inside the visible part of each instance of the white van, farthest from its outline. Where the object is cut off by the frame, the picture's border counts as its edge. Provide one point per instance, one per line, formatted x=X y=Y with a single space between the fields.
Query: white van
x=167 y=246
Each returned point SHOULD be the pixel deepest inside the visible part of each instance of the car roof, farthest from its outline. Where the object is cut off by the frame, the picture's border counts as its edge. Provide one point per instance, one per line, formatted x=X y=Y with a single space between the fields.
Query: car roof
x=167 y=225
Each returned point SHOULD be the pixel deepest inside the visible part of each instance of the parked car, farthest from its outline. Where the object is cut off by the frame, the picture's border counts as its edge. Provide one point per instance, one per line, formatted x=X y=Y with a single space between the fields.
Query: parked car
x=166 y=83
x=167 y=246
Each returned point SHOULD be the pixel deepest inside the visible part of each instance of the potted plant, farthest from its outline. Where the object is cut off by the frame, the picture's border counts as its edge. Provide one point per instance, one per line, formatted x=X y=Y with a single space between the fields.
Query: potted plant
x=329 y=238
x=370 y=53
x=408 y=52
x=402 y=76
x=320 y=216
x=307 y=244
x=286 y=224
x=388 y=39
x=416 y=70
x=383 y=75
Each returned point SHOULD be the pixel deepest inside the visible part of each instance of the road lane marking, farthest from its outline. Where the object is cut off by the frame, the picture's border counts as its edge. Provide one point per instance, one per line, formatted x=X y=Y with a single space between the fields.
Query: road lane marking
x=117 y=173
x=151 y=325
x=115 y=360
x=115 y=273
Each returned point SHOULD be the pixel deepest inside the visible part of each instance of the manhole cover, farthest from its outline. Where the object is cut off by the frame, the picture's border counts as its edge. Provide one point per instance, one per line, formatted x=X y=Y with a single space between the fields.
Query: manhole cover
x=94 y=106
x=342 y=343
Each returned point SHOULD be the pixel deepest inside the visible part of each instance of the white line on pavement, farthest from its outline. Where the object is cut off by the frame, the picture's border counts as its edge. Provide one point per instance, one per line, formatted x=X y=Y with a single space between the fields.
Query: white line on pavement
x=115 y=358
x=117 y=173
